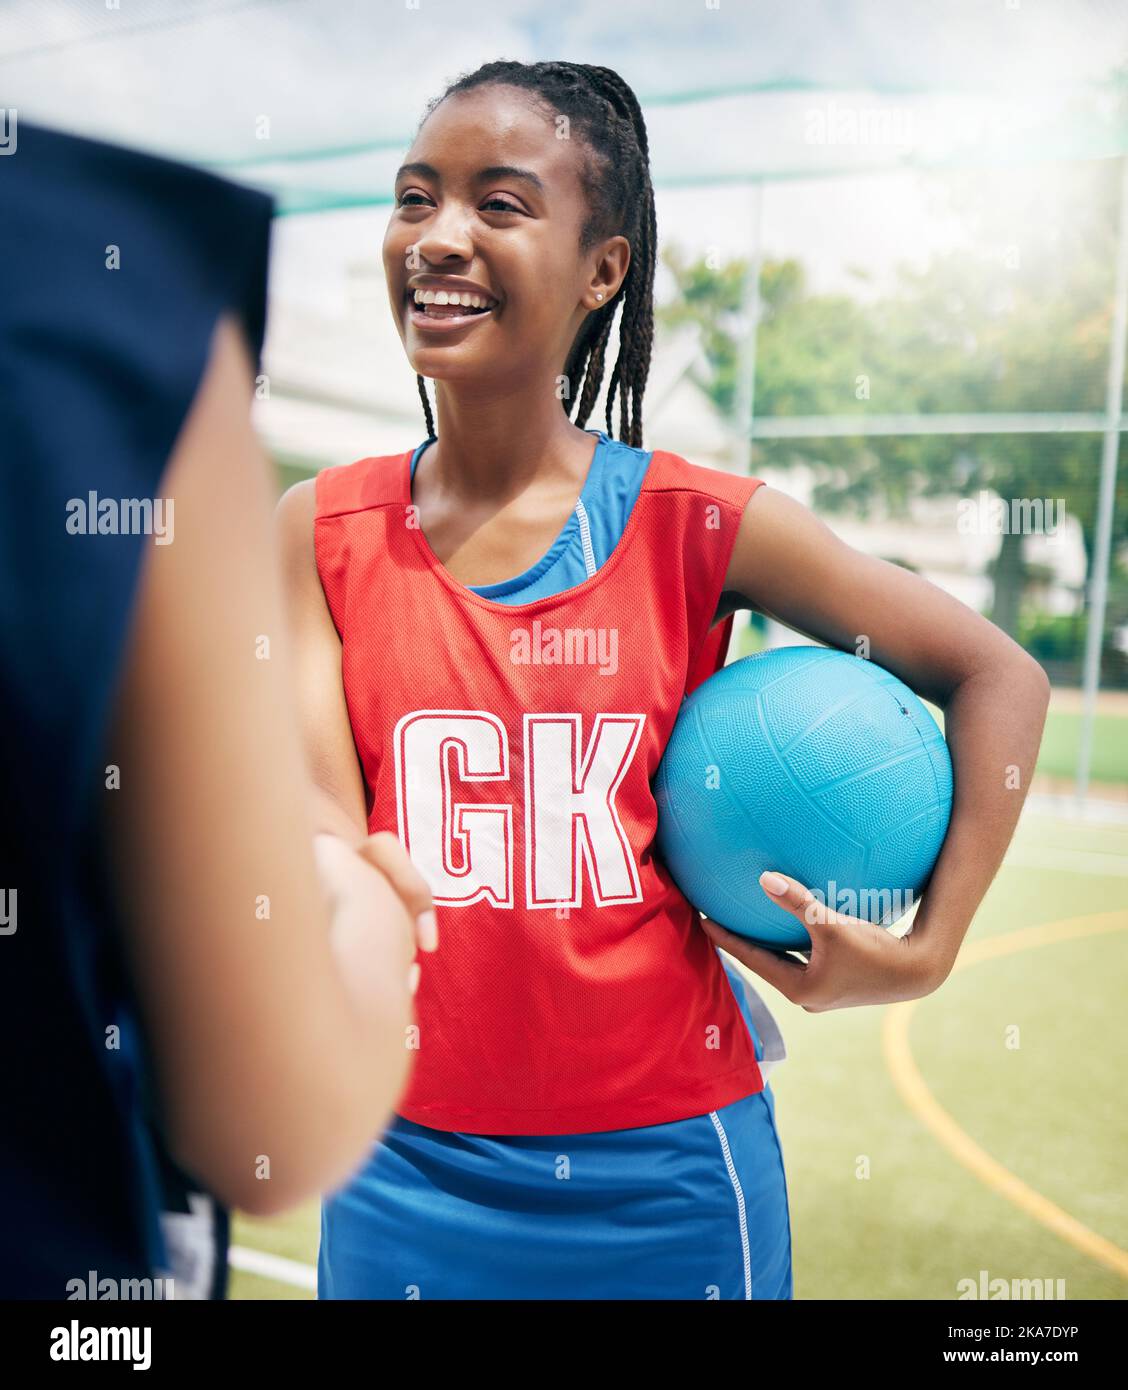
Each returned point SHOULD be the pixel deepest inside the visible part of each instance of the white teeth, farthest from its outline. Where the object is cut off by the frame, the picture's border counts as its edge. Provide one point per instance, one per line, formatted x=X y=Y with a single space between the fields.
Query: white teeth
x=468 y=301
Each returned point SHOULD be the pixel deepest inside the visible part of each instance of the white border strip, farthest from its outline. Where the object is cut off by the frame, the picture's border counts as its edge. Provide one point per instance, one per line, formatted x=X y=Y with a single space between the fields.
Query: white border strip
x=585 y=539
x=739 y=1201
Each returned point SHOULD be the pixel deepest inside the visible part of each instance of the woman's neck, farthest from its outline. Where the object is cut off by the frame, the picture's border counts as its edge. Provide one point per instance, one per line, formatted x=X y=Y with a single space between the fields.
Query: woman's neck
x=494 y=449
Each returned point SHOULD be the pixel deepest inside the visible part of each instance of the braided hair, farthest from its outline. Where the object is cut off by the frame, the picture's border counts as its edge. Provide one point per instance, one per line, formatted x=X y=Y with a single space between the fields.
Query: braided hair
x=603 y=111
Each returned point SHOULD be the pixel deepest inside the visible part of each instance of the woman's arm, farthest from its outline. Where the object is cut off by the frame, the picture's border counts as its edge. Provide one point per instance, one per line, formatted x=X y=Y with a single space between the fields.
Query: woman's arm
x=338 y=785
x=276 y=1017
x=323 y=716
x=790 y=566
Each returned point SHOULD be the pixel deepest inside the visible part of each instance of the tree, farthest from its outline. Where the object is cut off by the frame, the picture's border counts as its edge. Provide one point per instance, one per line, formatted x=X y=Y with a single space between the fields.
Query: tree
x=1019 y=322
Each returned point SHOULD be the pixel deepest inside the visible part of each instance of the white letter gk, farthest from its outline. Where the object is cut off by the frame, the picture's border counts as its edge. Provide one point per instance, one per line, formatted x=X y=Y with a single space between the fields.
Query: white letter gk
x=465 y=849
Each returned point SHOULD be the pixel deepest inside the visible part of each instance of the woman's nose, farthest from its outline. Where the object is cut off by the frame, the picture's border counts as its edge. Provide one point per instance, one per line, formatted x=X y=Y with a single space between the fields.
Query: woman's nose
x=446 y=235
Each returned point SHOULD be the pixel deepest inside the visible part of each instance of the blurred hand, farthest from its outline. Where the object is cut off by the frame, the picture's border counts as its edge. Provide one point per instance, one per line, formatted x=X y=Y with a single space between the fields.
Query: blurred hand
x=850 y=962
x=376 y=897
x=384 y=852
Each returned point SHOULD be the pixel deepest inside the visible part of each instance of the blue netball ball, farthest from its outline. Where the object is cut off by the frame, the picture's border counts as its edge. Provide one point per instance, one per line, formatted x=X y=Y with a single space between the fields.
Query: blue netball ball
x=813 y=762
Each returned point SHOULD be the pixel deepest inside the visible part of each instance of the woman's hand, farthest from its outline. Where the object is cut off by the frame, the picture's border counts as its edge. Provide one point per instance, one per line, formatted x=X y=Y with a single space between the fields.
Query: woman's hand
x=381 y=910
x=850 y=962
x=384 y=852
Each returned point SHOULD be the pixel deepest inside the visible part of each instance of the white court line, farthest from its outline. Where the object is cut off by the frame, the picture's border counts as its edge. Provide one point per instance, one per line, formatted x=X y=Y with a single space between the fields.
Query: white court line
x=273 y=1267
x=1063 y=806
x=1070 y=861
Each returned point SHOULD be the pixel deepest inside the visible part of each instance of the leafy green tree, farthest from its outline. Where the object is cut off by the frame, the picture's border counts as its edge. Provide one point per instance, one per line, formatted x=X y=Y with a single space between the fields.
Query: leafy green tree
x=1018 y=322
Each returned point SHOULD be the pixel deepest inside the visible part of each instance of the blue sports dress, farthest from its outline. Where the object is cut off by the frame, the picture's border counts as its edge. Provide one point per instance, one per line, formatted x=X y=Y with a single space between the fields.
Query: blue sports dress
x=692 y=1209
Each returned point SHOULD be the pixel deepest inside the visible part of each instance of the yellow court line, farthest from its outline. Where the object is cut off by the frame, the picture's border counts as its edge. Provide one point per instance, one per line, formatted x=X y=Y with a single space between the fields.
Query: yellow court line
x=919 y=1099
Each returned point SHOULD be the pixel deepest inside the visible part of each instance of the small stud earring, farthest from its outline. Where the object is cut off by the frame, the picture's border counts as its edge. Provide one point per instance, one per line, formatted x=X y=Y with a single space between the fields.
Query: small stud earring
x=598 y=296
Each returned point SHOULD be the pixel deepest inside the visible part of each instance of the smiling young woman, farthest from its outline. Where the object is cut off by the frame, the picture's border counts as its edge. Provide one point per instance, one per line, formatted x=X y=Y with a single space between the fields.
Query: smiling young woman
x=588 y=1115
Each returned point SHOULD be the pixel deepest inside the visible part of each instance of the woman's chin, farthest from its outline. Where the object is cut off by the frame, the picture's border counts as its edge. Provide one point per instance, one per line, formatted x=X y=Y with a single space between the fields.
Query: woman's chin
x=447 y=362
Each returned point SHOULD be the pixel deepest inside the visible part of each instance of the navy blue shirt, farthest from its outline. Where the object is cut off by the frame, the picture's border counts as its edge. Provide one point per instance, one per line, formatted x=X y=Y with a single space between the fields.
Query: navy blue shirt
x=98 y=369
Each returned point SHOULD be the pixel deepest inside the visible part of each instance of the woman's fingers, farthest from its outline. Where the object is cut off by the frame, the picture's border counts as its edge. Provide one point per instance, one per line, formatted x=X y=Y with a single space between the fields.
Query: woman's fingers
x=792 y=896
x=369 y=919
x=796 y=898
x=384 y=851
x=778 y=969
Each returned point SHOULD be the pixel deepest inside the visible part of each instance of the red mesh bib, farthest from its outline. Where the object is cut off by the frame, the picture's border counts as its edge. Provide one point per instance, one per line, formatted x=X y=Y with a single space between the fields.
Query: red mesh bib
x=511 y=748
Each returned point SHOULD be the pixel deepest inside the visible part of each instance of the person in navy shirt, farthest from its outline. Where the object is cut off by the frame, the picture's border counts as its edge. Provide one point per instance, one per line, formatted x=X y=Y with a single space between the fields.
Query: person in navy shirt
x=179 y=993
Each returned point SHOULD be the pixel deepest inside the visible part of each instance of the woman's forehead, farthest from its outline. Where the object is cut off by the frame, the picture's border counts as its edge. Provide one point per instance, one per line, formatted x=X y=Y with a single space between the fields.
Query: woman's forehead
x=495 y=126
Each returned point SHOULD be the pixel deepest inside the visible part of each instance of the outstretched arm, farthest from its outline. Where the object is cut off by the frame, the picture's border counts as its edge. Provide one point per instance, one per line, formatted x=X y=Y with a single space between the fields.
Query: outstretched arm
x=279 y=1036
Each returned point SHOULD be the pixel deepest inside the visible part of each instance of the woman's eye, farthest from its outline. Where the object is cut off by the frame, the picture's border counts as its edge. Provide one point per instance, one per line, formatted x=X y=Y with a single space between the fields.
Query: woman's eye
x=416 y=200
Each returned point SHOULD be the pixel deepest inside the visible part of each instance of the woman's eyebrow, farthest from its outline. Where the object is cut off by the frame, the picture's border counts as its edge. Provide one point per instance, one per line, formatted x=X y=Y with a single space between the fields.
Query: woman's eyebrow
x=494 y=171
x=510 y=171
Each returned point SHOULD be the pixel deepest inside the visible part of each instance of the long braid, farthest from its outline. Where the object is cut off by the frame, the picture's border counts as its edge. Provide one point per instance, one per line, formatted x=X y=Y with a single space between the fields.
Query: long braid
x=430 y=419
x=606 y=115
x=636 y=330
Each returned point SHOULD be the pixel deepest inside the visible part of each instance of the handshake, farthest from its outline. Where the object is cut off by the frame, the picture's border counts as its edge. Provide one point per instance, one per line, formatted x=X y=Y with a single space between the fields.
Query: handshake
x=381 y=911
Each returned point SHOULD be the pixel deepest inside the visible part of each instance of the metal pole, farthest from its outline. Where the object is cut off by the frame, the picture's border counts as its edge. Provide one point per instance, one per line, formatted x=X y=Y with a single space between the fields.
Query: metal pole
x=750 y=313
x=1102 y=550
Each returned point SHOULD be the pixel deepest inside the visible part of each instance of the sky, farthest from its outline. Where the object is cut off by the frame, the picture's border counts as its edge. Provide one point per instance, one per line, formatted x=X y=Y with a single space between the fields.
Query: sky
x=840 y=86
x=842 y=109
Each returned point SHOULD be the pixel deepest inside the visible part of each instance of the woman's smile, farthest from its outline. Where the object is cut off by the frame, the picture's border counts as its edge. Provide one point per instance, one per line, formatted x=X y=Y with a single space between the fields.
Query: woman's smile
x=443 y=312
